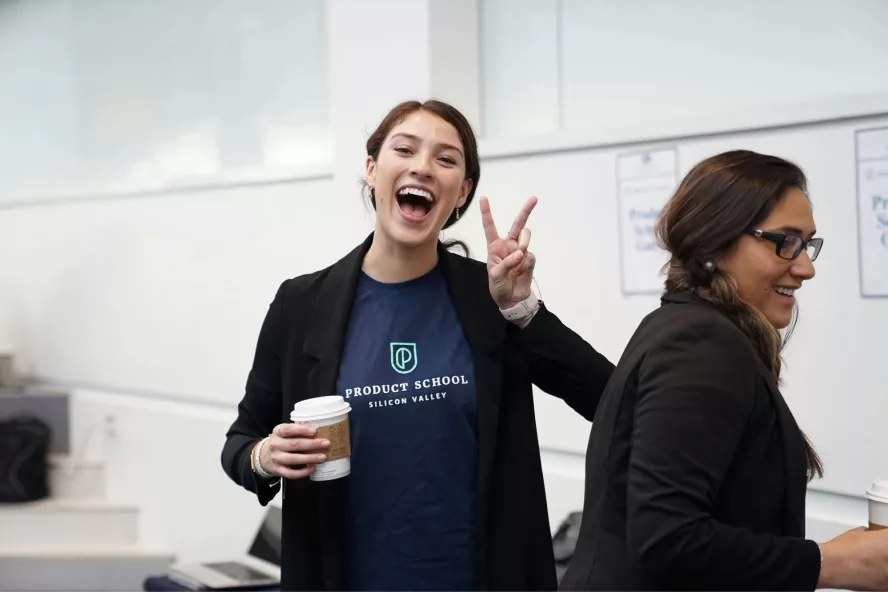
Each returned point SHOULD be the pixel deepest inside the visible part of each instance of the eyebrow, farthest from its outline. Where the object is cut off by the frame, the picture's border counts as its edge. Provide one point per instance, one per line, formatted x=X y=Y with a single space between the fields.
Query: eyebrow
x=418 y=139
x=795 y=230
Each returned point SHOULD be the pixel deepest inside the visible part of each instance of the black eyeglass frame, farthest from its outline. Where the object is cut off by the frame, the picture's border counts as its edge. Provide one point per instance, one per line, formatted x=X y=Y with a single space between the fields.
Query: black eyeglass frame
x=779 y=239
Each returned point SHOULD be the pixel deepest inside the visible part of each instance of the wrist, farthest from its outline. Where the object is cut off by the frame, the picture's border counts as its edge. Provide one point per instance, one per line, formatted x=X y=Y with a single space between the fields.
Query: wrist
x=833 y=568
x=521 y=313
x=255 y=459
x=821 y=579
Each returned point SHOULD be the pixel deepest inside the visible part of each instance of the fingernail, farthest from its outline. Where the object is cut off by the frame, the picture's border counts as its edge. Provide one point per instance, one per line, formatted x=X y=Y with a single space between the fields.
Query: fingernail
x=322 y=457
x=325 y=442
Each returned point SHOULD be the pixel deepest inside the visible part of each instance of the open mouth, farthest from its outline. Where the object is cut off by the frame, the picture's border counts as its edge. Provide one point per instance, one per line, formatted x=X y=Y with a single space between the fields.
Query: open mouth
x=788 y=293
x=415 y=202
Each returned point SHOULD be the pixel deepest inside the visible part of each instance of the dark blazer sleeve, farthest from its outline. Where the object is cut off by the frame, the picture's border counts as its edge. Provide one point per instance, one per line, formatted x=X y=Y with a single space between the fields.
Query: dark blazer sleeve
x=260 y=409
x=696 y=392
x=562 y=363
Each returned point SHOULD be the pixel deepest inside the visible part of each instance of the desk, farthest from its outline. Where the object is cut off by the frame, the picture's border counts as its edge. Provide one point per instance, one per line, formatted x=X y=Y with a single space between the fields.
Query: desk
x=165 y=584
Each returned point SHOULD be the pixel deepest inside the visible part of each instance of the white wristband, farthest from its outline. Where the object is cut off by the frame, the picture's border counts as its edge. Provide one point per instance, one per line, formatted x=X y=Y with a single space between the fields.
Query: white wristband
x=259 y=470
x=523 y=310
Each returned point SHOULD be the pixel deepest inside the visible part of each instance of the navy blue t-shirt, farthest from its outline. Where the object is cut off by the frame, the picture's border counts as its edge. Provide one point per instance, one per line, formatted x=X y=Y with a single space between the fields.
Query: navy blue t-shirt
x=407 y=373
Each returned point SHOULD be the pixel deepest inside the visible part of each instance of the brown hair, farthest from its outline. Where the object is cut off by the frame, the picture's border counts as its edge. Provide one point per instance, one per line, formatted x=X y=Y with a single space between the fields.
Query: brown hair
x=466 y=135
x=718 y=201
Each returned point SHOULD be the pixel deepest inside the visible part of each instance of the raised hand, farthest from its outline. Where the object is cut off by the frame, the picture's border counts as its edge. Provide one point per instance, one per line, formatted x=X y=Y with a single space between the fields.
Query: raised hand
x=509 y=263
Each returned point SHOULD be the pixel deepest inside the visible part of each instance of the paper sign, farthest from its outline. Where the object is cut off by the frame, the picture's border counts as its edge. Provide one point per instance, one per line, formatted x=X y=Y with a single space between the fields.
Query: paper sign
x=645 y=182
x=872 y=210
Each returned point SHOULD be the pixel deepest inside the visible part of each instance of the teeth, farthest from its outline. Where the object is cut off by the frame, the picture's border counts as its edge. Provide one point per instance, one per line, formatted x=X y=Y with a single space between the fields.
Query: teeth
x=784 y=291
x=415 y=191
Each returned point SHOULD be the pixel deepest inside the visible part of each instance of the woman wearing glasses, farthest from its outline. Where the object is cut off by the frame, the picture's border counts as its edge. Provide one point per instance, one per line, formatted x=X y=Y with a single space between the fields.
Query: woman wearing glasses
x=697 y=469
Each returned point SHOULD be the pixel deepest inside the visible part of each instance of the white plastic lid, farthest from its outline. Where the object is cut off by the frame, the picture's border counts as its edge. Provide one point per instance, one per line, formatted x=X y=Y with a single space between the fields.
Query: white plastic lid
x=879 y=491
x=319 y=408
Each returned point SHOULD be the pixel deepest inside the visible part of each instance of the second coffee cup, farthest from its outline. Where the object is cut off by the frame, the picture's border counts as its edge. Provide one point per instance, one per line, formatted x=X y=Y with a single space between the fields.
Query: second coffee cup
x=877 y=497
x=329 y=415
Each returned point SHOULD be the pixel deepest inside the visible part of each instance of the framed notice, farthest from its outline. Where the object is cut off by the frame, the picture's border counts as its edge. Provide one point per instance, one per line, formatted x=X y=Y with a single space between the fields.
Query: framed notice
x=871 y=149
x=645 y=182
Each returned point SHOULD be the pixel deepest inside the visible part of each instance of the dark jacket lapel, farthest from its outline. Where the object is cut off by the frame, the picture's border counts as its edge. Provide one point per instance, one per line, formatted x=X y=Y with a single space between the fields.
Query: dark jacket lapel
x=323 y=344
x=329 y=321
x=485 y=331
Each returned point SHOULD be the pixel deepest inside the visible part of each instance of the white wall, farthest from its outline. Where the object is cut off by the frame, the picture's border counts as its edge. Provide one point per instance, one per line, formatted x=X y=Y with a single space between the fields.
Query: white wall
x=149 y=304
x=593 y=64
x=161 y=293
x=151 y=93
x=164 y=456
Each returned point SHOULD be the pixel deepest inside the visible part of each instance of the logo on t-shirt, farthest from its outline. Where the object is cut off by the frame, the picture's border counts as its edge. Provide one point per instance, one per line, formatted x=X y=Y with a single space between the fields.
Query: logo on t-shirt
x=403 y=357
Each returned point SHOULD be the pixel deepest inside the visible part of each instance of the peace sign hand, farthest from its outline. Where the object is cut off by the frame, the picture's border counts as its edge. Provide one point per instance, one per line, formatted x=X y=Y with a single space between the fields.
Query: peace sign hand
x=509 y=263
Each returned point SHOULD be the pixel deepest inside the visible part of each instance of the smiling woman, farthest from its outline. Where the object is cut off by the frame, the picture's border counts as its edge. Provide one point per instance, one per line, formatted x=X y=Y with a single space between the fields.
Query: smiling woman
x=436 y=354
x=740 y=233
x=700 y=469
x=422 y=171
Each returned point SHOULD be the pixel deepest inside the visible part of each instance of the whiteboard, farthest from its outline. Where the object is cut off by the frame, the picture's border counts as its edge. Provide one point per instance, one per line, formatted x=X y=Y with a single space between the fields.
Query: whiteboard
x=645 y=181
x=833 y=376
x=112 y=97
x=872 y=210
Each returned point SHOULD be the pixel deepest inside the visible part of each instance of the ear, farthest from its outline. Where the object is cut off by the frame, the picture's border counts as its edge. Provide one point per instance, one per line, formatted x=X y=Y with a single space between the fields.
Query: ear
x=371 y=172
x=464 y=193
x=725 y=255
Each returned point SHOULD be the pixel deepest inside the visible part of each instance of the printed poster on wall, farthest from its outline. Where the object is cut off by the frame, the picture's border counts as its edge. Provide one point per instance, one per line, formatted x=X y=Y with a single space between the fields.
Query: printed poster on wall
x=872 y=210
x=645 y=182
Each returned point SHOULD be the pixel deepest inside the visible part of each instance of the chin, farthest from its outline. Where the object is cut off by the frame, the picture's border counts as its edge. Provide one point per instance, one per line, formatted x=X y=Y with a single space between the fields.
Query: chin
x=411 y=237
x=780 y=321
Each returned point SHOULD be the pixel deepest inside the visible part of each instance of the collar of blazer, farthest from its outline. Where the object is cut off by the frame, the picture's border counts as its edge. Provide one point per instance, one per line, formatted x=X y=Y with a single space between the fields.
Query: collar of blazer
x=793 y=444
x=484 y=326
x=684 y=297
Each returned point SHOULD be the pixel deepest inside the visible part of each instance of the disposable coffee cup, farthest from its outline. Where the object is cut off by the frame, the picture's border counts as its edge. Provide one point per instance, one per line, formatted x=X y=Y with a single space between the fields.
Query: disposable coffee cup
x=877 y=496
x=329 y=415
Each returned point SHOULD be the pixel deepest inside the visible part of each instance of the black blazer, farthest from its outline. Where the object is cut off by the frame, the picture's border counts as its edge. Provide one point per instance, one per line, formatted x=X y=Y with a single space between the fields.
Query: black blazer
x=696 y=471
x=297 y=357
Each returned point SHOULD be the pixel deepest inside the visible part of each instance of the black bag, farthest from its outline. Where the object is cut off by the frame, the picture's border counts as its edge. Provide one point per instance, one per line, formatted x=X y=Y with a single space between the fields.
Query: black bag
x=564 y=542
x=24 y=466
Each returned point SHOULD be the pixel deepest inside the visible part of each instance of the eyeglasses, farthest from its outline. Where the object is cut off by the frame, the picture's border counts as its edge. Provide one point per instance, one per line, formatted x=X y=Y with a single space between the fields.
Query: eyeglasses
x=789 y=246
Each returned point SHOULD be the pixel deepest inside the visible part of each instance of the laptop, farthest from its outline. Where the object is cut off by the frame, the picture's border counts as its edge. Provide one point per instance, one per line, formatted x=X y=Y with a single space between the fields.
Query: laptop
x=261 y=567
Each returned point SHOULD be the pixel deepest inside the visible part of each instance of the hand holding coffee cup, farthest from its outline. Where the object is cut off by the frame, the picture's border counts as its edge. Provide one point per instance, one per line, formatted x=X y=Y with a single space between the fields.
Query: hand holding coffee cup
x=292 y=445
x=328 y=417
x=858 y=559
x=855 y=560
